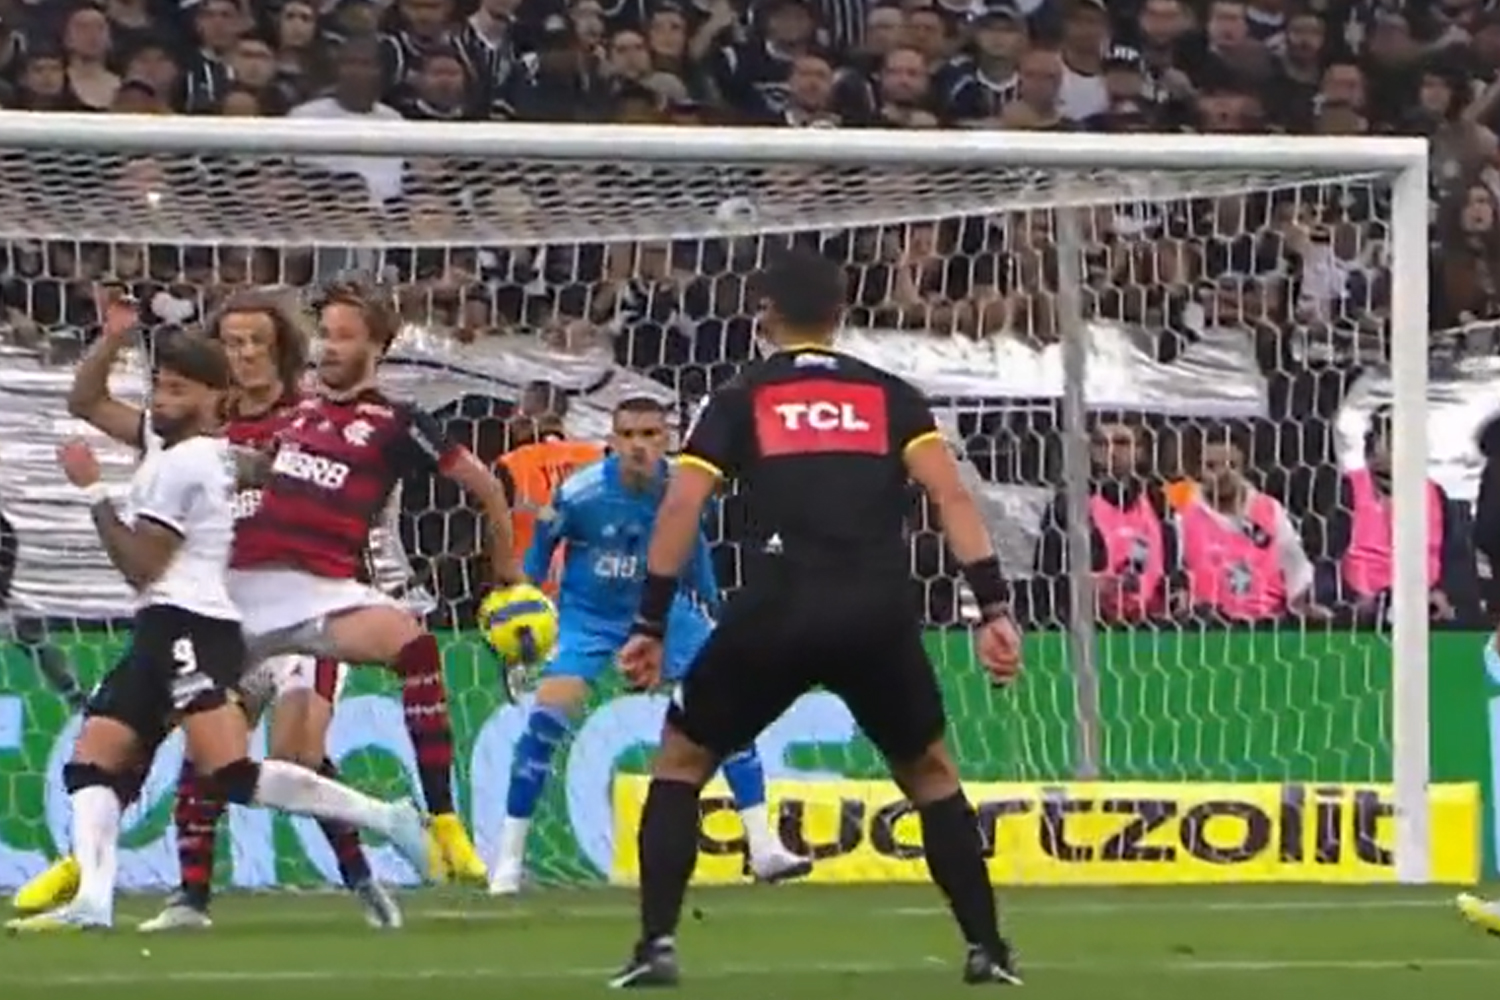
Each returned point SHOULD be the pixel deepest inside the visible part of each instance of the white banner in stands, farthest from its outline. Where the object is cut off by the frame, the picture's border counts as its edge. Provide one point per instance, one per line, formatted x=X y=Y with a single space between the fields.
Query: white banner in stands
x=1215 y=377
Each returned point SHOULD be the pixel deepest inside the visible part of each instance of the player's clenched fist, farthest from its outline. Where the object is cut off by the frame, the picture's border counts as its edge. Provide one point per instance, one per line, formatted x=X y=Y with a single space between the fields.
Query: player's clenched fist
x=78 y=462
x=998 y=646
x=640 y=662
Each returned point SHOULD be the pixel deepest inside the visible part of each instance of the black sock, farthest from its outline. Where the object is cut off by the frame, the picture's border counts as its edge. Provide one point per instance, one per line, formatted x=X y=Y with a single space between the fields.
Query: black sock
x=955 y=858
x=668 y=845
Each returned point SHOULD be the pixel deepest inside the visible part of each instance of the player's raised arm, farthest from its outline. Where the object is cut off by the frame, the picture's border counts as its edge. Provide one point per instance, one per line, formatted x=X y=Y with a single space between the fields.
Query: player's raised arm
x=143 y=549
x=89 y=398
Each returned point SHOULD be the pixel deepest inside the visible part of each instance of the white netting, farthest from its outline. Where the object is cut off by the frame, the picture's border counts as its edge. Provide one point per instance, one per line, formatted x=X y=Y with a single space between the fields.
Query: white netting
x=1208 y=296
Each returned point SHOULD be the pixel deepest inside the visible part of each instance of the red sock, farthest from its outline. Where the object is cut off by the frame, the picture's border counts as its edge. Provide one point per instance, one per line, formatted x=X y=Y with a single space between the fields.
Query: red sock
x=197 y=818
x=344 y=839
x=424 y=700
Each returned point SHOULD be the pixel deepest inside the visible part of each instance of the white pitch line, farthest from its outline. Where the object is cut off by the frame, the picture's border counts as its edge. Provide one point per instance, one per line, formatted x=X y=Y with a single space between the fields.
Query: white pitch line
x=756 y=910
x=725 y=971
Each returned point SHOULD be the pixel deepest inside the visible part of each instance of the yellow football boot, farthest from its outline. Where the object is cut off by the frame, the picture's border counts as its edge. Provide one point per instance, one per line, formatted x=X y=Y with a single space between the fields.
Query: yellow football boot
x=1481 y=913
x=68 y=919
x=456 y=855
x=52 y=888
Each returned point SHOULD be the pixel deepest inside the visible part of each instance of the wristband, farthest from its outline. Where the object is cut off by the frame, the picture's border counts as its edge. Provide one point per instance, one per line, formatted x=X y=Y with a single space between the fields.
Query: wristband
x=656 y=600
x=986 y=580
x=97 y=493
x=651 y=630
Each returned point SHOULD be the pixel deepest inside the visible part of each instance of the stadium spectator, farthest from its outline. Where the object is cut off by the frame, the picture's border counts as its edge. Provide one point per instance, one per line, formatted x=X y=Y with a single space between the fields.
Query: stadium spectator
x=1132 y=536
x=1242 y=558
x=1298 y=277
x=1359 y=540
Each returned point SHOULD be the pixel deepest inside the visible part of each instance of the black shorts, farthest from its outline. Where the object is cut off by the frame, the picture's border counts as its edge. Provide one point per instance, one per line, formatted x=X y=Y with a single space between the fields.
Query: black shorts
x=177 y=663
x=862 y=643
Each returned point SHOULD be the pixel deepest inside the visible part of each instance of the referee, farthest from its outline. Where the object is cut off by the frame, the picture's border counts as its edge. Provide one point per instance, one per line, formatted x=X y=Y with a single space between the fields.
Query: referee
x=822 y=445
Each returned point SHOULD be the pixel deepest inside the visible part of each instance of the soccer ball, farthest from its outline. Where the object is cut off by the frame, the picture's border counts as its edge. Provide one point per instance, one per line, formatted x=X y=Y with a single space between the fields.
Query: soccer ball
x=520 y=624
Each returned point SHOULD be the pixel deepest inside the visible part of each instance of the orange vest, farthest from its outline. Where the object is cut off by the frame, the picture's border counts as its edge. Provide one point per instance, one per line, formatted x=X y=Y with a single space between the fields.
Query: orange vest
x=537 y=469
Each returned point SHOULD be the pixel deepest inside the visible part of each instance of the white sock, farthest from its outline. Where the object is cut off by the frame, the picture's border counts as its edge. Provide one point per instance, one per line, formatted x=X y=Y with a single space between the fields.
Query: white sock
x=758 y=833
x=294 y=789
x=513 y=840
x=96 y=836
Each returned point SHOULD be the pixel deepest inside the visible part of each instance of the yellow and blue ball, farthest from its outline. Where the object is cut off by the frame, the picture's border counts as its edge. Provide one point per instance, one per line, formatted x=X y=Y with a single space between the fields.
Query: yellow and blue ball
x=520 y=623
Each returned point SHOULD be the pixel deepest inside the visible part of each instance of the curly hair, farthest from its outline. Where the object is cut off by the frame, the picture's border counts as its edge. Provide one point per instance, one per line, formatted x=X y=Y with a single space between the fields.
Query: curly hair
x=291 y=333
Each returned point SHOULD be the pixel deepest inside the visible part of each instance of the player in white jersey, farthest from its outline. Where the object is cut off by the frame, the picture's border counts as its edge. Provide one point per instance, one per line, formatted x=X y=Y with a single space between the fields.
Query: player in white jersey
x=187 y=652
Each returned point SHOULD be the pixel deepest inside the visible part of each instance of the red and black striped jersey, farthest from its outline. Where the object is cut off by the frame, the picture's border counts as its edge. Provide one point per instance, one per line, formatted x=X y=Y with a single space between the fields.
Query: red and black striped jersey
x=336 y=463
x=258 y=431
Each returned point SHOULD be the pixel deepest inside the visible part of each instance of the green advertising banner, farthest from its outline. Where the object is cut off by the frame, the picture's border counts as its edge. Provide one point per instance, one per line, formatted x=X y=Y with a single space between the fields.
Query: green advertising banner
x=1176 y=706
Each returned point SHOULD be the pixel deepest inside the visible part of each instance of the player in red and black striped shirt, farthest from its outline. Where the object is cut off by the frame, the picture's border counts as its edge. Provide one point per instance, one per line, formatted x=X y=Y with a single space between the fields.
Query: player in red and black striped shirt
x=297 y=560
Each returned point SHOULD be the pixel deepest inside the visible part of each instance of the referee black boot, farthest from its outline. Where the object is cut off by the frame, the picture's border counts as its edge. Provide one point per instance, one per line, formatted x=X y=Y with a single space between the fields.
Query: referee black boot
x=654 y=964
x=991 y=965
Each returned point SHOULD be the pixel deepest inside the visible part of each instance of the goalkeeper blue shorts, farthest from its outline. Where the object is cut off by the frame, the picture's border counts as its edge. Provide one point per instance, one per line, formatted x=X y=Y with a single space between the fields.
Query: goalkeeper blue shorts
x=586 y=647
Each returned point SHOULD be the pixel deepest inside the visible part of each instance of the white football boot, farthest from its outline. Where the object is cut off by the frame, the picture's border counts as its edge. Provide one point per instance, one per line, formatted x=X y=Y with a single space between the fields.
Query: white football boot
x=177 y=915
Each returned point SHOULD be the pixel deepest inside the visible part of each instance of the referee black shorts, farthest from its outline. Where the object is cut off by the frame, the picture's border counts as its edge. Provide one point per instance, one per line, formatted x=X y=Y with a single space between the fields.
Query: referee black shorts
x=861 y=642
x=177 y=663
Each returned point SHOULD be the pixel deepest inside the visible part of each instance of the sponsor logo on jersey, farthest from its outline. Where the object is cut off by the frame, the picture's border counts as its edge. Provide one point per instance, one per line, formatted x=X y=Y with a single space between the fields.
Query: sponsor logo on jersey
x=821 y=417
x=359 y=433
x=315 y=469
x=246 y=503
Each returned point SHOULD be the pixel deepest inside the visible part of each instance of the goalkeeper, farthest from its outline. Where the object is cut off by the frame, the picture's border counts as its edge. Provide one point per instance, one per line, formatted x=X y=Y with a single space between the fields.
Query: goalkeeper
x=603 y=515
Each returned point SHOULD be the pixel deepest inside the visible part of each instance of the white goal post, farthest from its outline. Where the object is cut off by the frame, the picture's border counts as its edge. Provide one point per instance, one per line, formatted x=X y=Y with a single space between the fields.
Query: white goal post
x=791 y=179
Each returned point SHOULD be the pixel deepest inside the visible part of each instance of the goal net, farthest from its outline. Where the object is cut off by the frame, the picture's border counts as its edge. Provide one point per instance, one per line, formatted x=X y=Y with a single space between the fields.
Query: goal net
x=1064 y=300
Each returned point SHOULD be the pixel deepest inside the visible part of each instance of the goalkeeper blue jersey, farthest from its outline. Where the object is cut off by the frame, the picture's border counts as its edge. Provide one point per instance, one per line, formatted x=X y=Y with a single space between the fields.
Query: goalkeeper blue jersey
x=605 y=527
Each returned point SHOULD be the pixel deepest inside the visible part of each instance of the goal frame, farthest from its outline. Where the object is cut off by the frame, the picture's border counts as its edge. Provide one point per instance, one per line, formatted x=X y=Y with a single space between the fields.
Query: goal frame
x=1404 y=160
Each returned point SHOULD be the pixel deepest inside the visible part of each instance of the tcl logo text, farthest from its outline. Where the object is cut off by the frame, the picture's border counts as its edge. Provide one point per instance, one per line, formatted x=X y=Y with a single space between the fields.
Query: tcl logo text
x=315 y=469
x=820 y=416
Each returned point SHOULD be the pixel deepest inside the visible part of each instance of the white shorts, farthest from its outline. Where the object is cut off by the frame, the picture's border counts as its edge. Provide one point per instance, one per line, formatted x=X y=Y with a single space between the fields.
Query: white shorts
x=271 y=679
x=287 y=610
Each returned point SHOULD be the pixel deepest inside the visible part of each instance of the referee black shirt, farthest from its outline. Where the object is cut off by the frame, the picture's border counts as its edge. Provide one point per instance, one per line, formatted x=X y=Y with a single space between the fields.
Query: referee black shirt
x=815 y=440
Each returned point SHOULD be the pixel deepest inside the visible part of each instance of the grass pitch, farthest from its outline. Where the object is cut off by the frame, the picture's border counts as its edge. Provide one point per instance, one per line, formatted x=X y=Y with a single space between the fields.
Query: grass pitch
x=784 y=943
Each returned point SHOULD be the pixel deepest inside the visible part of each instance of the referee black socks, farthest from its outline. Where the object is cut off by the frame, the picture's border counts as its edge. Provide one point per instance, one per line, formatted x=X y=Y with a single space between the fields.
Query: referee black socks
x=955 y=859
x=668 y=845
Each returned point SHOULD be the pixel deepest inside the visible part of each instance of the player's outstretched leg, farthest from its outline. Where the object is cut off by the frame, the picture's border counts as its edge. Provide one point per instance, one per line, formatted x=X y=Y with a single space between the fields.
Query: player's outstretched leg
x=196 y=816
x=390 y=635
x=955 y=859
x=58 y=884
x=768 y=859
x=217 y=739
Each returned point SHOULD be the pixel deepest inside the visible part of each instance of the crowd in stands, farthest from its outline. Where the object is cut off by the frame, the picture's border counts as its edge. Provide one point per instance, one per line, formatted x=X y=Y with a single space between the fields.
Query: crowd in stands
x=1301 y=273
